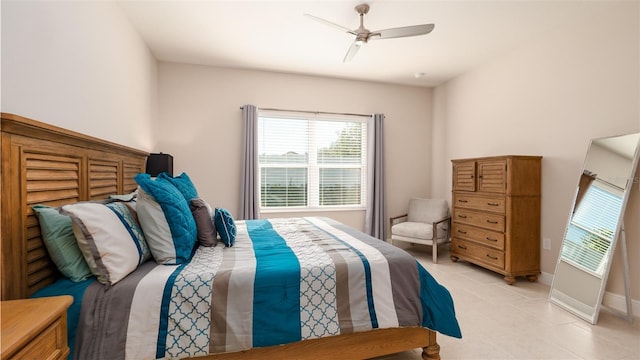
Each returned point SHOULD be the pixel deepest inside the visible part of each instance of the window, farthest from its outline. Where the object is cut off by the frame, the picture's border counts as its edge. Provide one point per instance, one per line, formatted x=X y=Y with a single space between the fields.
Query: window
x=593 y=227
x=309 y=161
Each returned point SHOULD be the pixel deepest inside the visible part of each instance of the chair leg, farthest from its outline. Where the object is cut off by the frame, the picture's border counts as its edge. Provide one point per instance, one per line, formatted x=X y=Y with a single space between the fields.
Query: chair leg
x=435 y=252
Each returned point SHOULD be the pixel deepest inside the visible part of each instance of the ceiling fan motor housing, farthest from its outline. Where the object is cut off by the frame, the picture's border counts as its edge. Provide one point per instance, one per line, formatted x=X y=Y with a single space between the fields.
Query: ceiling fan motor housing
x=362 y=9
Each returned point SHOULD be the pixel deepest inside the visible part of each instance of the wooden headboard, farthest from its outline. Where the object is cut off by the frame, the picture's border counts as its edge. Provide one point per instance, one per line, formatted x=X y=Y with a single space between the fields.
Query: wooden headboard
x=45 y=164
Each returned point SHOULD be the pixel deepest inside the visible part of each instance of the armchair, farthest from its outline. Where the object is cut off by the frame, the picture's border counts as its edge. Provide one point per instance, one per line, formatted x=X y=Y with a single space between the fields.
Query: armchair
x=426 y=220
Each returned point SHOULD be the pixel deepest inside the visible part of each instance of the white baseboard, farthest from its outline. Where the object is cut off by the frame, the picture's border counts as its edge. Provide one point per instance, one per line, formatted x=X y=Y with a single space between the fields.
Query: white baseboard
x=614 y=301
x=545 y=278
x=618 y=302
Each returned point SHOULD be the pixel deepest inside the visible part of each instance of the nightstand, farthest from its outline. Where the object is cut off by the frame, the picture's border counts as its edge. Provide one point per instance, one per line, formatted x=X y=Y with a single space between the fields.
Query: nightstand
x=35 y=328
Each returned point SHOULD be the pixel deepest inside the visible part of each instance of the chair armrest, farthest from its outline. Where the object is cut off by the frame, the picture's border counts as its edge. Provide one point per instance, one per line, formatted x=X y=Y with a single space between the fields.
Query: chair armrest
x=435 y=228
x=397 y=219
x=448 y=218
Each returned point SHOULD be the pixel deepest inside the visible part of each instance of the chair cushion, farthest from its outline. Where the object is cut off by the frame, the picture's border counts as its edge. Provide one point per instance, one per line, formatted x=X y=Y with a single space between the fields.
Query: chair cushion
x=414 y=230
x=427 y=210
x=418 y=230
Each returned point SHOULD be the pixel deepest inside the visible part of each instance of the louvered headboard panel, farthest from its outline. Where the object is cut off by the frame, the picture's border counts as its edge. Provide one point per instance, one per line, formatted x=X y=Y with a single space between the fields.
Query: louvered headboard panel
x=44 y=164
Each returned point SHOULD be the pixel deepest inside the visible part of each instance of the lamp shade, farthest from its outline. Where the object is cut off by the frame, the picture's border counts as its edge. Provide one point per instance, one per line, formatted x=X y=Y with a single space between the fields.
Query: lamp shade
x=158 y=163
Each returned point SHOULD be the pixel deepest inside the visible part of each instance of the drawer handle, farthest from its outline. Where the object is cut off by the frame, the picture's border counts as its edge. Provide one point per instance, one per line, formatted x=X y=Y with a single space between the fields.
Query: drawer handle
x=492 y=257
x=490 y=239
x=462 y=216
x=493 y=204
x=461 y=231
x=463 y=201
x=492 y=221
x=462 y=247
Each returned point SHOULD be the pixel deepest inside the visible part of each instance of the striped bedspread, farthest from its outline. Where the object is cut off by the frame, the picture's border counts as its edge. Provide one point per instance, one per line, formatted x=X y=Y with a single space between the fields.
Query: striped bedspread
x=284 y=280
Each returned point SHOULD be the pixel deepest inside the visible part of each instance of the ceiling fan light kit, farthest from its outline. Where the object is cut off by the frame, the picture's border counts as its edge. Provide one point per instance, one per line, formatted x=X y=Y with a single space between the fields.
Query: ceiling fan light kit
x=363 y=35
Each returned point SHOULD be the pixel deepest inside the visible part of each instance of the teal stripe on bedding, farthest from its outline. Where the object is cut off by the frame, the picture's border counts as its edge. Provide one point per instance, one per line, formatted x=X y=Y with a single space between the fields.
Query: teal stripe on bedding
x=367 y=276
x=161 y=347
x=276 y=294
x=438 y=312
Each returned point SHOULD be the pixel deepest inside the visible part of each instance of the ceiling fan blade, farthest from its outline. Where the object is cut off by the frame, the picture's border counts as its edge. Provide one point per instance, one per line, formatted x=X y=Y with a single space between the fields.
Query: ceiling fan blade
x=402 y=31
x=353 y=49
x=327 y=22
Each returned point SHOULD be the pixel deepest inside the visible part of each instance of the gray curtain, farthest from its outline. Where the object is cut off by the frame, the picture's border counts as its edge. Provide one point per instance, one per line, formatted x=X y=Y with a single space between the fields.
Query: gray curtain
x=249 y=201
x=376 y=213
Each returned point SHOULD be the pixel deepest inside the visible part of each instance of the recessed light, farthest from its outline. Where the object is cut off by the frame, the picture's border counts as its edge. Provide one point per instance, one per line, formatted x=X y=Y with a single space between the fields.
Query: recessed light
x=418 y=75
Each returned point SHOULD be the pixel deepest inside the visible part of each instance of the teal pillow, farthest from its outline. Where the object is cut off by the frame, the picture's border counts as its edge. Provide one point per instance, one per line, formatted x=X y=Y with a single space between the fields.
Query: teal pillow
x=183 y=183
x=226 y=226
x=58 y=238
x=166 y=220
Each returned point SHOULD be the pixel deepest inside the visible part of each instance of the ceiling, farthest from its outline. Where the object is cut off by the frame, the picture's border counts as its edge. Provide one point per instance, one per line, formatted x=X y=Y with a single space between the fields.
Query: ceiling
x=276 y=36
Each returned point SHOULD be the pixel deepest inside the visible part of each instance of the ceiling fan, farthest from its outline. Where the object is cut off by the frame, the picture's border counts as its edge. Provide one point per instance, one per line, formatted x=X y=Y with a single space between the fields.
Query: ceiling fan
x=363 y=35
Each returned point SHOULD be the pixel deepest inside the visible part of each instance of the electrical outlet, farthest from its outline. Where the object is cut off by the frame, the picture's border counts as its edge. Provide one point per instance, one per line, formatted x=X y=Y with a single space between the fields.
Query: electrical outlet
x=546 y=244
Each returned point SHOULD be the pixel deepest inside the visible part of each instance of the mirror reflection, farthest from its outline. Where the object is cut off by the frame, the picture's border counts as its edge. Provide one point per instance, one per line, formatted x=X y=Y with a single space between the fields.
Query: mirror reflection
x=592 y=229
x=598 y=203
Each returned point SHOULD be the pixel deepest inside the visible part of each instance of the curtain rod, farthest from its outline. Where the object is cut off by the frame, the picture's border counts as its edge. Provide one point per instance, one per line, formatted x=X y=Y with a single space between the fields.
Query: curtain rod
x=311 y=112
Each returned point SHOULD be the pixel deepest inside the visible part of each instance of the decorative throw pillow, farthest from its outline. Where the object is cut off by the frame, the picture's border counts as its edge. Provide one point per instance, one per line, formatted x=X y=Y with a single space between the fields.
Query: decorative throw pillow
x=201 y=211
x=226 y=226
x=166 y=220
x=183 y=183
x=109 y=237
x=125 y=197
x=61 y=243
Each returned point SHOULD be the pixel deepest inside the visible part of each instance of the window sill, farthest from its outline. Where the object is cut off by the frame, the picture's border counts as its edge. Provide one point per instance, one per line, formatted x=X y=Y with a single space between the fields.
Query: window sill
x=310 y=209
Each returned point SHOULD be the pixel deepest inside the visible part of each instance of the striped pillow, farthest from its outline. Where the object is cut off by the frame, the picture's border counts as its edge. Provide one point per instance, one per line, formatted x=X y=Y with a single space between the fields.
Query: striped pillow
x=109 y=237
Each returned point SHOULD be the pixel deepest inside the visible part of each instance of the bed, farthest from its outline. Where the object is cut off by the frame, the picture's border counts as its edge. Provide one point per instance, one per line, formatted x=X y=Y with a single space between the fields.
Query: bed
x=44 y=164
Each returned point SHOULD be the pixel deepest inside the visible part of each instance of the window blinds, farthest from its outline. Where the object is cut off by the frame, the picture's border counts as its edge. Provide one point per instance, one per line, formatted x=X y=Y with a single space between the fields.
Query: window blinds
x=311 y=161
x=593 y=227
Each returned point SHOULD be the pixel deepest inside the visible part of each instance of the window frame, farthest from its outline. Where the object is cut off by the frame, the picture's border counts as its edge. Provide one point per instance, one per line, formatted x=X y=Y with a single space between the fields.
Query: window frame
x=312 y=165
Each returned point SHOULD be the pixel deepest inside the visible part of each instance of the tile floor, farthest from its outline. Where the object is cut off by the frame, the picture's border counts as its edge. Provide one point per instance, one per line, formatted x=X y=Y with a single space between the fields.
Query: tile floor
x=499 y=321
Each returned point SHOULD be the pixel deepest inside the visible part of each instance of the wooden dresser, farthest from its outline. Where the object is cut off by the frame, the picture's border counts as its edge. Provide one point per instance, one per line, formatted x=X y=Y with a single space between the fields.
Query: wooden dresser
x=496 y=214
x=35 y=328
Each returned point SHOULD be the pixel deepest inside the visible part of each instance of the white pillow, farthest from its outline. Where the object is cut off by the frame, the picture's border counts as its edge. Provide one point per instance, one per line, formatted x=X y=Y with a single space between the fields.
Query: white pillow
x=166 y=220
x=109 y=238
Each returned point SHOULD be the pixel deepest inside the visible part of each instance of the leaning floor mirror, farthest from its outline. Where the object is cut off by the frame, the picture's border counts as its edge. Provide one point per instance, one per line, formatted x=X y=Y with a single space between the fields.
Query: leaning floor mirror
x=596 y=226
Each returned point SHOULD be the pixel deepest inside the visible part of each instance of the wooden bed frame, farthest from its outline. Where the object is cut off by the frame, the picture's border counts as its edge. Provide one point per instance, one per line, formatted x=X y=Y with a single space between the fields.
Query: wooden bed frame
x=45 y=164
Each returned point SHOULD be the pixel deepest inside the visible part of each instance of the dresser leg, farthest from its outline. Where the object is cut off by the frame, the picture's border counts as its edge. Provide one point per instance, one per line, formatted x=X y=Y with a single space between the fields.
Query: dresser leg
x=510 y=279
x=532 y=278
x=454 y=258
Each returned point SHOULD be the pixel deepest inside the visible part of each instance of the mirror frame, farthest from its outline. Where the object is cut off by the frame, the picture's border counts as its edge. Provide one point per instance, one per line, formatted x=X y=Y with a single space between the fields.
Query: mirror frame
x=564 y=300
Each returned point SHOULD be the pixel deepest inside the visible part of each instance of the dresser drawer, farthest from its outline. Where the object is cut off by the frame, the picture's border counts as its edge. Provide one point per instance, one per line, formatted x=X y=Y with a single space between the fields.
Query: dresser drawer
x=466 y=249
x=488 y=221
x=482 y=236
x=35 y=328
x=494 y=204
x=49 y=344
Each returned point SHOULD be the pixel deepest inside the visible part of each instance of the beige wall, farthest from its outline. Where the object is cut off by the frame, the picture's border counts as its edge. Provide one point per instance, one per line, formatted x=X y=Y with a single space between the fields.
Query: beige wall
x=200 y=125
x=549 y=98
x=81 y=66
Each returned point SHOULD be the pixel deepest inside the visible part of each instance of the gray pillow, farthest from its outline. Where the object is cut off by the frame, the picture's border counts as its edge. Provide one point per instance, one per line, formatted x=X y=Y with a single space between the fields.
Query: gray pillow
x=202 y=214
